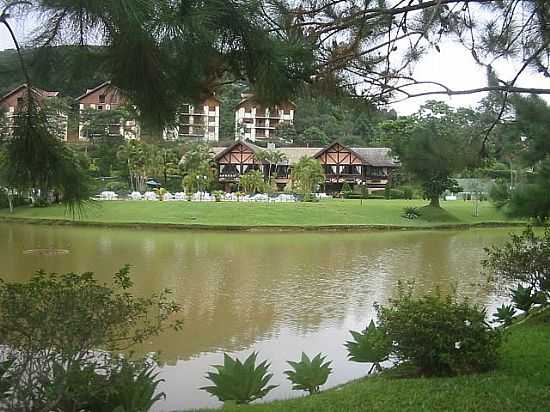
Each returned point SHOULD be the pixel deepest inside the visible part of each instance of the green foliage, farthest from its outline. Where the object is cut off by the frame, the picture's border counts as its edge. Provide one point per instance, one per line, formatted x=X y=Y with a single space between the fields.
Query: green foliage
x=500 y=193
x=523 y=260
x=238 y=381
x=439 y=335
x=309 y=374
x=441 y=142
x=71 y=316
x=411 y=212
x=523 y=298
x=313 y=136
x=532 y=198
x=307 y=174
x=505 y=314
x=252 y=182
x=6 y=380
x=286 y=132
x=346 y=189
x=372 y=345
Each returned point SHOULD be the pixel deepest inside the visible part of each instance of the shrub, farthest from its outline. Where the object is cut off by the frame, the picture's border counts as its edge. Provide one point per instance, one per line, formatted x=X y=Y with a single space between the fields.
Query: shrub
x=524 y=260
x=346 y=189
x=218 y=195
x=439 y=335
x=410 y=212
x=372 y=345
x=309 y=375
x=238 y=381
x=71 y=316
x=505 y=314
x=408 y=192
x=397 y=194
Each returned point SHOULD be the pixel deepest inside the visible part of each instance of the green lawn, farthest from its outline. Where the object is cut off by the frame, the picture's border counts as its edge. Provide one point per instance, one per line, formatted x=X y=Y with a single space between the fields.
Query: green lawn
x=325 y=213
x=520 y=383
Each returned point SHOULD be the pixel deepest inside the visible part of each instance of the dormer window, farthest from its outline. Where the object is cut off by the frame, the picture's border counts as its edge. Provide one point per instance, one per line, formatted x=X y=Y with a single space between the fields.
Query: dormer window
x=20 y=101
x=101 y=98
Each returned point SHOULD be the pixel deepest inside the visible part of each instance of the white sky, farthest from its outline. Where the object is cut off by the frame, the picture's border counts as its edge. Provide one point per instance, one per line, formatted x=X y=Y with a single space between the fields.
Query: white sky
x=454 y=67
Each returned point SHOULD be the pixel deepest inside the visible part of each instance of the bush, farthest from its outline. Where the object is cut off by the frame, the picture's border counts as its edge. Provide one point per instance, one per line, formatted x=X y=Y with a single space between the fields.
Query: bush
x=439 y=335
x=408 y=192
x=499 y=193
x=523 y=260
x=346 y=189
x=309 y=375
x=397 y=194
x=238 y=381
x=71 y=316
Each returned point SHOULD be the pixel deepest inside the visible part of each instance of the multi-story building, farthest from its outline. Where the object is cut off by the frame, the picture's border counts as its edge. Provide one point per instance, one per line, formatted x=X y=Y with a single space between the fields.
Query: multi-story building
x=199 y=122
x=364 y=166
x=15 y=100
x=106 y=97
x=254 y=121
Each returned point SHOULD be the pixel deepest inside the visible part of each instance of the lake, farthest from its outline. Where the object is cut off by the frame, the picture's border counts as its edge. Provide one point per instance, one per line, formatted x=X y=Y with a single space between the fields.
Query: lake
x=275 y=293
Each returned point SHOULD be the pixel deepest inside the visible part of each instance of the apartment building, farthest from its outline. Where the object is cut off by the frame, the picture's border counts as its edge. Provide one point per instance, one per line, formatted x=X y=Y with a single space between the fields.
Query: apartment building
x=14 y=101
x=106 y=97
x=256 y=122
x=200 y=122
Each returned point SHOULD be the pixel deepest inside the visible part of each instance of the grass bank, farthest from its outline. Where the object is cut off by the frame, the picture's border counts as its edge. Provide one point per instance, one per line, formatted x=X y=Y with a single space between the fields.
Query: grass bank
x=329 y=214
x=521 y=382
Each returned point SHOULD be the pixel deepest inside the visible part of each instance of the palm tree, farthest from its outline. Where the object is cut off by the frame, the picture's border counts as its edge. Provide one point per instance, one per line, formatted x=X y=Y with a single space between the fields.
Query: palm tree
x=272 y=158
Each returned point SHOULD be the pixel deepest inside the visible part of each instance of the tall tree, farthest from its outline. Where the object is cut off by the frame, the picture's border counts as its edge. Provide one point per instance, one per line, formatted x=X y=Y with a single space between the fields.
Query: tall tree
x=443 y=142
x=307 y=174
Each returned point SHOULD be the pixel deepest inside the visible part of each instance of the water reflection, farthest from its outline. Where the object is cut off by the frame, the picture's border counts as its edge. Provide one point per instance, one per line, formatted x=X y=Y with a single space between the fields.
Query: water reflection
x=277 y=293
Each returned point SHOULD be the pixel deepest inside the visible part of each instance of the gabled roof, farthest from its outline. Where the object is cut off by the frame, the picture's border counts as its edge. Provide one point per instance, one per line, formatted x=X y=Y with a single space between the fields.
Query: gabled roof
x=323 y=150
x=39 y=92
x=95 y=89
x=251 y=146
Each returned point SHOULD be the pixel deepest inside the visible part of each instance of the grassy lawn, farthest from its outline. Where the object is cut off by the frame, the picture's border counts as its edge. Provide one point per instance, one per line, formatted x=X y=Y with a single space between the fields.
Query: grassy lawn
x=329 y=212
x=520 y=383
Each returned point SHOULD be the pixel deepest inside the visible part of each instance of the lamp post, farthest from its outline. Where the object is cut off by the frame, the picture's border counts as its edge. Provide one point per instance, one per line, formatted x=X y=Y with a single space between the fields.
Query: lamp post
x=363 y=190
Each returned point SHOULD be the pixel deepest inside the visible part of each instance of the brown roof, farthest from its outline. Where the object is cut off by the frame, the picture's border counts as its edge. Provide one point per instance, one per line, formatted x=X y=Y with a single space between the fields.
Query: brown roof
x=376 y=156
x=294 y=154
x=39 y=92
x=250 y=98
x=95 y=89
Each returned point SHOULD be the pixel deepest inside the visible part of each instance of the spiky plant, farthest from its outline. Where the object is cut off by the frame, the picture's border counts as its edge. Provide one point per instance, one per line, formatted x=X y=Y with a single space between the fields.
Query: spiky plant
x=370 y=346
x=505 y=314
x=523 y=298
x=242 y=382
x=309 y=374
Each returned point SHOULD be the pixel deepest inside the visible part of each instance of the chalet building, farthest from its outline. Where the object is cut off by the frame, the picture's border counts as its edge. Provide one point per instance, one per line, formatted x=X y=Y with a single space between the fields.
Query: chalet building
x=107 y=97
x=197 y=122
x=256 y=122
x=14 y=101
x=371 y=167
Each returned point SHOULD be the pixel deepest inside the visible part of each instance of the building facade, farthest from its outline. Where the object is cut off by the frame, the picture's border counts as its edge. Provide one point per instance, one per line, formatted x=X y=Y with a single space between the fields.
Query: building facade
x=369 y=167
x=199 y=122
x=15 y=100
x=106 y=97
x=256 y=122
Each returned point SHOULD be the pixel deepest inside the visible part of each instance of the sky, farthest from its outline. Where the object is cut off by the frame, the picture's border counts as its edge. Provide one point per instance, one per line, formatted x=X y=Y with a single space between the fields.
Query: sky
x=453 y=66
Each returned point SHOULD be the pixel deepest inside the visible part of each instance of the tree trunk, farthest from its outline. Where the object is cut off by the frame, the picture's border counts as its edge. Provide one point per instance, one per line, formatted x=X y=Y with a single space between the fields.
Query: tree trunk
x=434 y=202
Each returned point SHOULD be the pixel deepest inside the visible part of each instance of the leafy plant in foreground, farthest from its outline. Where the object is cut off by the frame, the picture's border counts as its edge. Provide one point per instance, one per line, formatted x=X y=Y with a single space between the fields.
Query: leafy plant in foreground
x=238 y=381
x=505 y=314
x=309 y=374
x=370 y=346
x=438 y=334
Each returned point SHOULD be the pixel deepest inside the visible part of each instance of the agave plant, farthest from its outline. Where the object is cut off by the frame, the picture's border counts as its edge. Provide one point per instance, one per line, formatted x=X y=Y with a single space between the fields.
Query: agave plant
x=133 y=388
x=523 y=298
x=372 y=346
x=505 y=314
x=309 y=374
x=240 y=382
x=411 y=212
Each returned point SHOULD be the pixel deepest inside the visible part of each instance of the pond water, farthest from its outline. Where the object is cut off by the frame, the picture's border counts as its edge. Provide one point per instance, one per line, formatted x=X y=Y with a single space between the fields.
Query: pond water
x=276 y=293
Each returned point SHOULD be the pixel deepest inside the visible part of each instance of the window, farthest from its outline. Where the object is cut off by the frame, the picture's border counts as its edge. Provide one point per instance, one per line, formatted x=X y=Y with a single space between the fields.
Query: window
x=212 y=108
x=20 y=101
x=287 y=110
x=211 y=129
x=248 y=120
x=101 y=98
x=185 y=108
x=185 y=119
x=99 y=107
x=184 y=130
x=260 y=133
x=248 y=109
x=211 y=119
